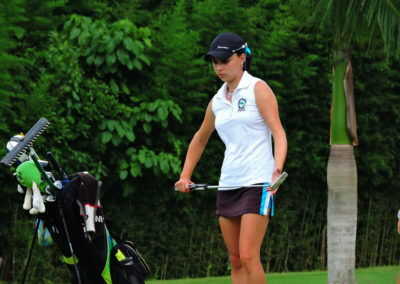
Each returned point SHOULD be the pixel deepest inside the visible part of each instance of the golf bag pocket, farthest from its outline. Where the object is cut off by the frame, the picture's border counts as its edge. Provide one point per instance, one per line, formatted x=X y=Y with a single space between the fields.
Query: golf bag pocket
x=127 y=265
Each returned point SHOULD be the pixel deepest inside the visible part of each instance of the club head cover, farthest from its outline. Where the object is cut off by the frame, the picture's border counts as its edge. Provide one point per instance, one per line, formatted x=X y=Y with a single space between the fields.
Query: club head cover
x=27 y=173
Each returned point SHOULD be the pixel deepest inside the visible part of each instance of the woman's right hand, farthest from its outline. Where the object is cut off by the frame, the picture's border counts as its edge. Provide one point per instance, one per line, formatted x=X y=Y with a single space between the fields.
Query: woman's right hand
x=182 y=185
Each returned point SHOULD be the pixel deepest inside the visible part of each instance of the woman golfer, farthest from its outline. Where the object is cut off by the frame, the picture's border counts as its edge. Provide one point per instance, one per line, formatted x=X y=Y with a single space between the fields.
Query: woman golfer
x=245 y=113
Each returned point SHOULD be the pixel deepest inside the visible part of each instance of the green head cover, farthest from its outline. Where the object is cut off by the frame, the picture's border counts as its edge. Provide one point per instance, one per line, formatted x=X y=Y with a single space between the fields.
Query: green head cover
x=27 y=172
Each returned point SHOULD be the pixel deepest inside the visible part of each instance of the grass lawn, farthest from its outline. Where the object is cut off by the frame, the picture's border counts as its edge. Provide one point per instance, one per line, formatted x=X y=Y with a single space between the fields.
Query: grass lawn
x=374 y=275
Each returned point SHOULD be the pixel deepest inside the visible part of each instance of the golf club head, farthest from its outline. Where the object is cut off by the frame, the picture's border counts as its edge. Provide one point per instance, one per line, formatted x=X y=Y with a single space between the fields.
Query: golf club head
x=25 y=142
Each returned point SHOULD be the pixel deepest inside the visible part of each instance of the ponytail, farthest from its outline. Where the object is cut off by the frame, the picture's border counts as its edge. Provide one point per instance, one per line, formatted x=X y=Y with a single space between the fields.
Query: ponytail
x=247 y=61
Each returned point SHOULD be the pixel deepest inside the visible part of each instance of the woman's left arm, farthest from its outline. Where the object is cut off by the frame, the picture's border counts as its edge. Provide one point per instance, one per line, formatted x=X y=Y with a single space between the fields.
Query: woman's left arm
x=268 y=107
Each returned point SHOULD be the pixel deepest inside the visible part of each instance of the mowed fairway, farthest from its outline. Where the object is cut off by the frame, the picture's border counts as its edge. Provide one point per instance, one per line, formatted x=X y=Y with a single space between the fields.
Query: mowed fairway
x=375 y=275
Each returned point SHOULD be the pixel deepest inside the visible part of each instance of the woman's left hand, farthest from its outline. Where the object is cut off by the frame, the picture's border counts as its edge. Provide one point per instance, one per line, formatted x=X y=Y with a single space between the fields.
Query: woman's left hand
x=275 y=175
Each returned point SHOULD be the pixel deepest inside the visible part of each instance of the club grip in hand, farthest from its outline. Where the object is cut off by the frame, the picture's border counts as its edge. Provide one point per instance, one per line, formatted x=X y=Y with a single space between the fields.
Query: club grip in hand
x=196 y=186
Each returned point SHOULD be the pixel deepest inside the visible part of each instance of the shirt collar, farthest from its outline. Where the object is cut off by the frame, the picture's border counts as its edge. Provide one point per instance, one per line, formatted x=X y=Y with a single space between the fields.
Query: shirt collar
x=243 y=83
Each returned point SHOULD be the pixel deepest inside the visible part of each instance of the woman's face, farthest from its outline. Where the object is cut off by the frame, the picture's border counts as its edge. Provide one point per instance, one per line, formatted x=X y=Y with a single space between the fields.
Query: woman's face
x=230 y=69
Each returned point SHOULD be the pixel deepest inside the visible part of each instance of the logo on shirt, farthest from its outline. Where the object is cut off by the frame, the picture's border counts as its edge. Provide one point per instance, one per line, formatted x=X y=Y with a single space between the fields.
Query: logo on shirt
x=241 y=104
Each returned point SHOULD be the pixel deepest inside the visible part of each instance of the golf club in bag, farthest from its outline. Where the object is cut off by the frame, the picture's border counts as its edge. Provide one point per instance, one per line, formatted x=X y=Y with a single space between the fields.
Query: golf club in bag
x=69 y=207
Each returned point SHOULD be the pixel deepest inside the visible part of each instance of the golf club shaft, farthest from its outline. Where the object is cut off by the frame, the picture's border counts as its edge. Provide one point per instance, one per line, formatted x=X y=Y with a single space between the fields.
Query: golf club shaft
x=205 y=186
x=46 y=177
x=28 y=260
x=61 y=211
x=276 y=184
x=56 y=166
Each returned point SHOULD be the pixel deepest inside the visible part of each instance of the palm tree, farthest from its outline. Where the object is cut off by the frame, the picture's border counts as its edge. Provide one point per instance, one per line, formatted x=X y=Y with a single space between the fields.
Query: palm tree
x=350 y=21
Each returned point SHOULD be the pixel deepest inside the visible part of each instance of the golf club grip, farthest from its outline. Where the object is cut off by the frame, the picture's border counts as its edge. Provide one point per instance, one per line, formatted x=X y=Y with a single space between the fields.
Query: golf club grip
x=53 y=162
x=198 y=186
x=25 y=142
x=195 y=186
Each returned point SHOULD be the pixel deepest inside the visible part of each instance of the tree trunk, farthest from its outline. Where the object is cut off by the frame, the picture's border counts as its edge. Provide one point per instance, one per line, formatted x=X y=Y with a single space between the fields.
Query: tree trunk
x=342 y=214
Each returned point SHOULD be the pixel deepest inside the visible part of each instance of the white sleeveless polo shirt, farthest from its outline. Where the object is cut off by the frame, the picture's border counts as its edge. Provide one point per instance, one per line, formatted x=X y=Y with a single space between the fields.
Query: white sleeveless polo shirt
x=247 y=137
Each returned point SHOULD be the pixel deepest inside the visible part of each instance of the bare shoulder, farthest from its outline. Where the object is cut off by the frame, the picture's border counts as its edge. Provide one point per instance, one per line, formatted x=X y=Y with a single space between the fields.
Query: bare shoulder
x=209 y=106
x=267 y=105
x=211 y=101
x=262 y=90
x=209 y=116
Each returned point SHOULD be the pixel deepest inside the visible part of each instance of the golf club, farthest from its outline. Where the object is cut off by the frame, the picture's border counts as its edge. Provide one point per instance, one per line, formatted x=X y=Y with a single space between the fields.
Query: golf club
x=273 y=187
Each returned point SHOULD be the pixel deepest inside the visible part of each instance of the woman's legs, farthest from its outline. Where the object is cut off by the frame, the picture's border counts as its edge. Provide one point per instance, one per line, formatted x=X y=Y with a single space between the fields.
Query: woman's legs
x=243 y=237
x=252 y=232
x=230 y=228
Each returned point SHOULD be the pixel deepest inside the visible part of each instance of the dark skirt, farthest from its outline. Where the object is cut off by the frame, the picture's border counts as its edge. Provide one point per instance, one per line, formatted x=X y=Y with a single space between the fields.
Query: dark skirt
x=233 y=203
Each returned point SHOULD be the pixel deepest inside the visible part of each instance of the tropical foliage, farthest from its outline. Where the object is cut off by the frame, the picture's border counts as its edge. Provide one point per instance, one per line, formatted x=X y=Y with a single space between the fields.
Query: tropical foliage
x=349 y=22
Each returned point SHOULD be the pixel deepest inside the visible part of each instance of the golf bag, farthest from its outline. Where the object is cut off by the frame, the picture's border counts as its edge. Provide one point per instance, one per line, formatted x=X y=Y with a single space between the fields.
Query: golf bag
x=69 y=209
x=100 y=258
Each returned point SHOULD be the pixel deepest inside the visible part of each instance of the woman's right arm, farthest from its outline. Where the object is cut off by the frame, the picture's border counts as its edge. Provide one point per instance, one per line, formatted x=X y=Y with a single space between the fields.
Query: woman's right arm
x=196 y=148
